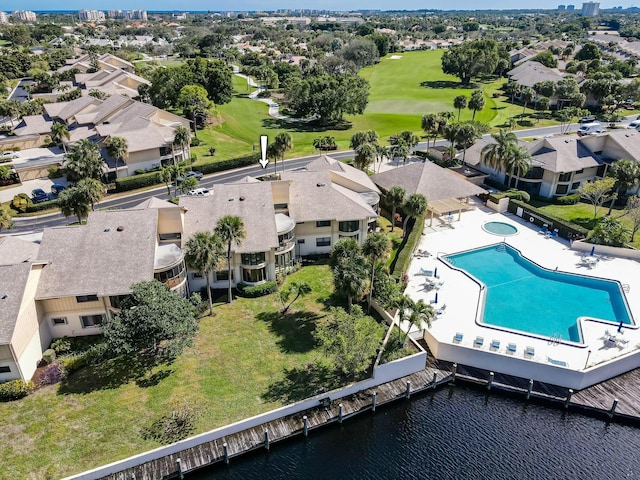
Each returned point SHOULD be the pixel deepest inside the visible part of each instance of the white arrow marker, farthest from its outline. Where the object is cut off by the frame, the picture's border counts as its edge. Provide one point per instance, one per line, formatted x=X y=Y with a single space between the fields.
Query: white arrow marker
x=263 y=151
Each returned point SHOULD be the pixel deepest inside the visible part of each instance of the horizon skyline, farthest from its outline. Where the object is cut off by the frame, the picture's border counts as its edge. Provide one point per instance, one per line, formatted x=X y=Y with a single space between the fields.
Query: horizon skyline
x=259 y=5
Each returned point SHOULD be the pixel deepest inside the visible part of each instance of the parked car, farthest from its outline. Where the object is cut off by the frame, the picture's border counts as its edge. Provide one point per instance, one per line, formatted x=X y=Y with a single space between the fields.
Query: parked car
x=8 y=155
x=56 y=188
x=199 y=192
x=588 y=119
x=190 y=174
x=590 y=129
x=38 y=196
x=634 y=124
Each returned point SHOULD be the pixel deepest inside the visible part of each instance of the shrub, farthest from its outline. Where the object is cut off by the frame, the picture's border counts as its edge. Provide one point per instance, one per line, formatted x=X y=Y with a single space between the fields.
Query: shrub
x=569 y=199
x=138 y=171
x=55 y=172
x=210 y=166
x=72 y=363
x=257 y=290
x=39 y=207
x=195 y=142
x=212 y=151
x=138 y=181
x=21 y=202
x=14 y=390
x=50 y=375
x=401 y=263
x=49 y=356
x=61 y=345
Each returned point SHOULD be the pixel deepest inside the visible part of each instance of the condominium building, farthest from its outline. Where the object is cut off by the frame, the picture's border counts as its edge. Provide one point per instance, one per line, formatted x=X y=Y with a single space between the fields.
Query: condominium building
x=128 y=15
x=25 y=15
x=590 y=9
x=91 y=15
x=4 y=18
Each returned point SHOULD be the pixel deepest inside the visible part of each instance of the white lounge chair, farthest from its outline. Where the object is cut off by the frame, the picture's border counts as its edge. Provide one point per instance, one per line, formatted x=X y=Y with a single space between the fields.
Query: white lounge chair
x=511 y=348
x=441 y=310
x=478 y=342
x=457 y=337
x=529 y=352
x=495 y=344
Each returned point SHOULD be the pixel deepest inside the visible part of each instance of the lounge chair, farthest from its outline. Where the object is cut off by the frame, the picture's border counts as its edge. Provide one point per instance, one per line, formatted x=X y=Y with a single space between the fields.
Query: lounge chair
x=623 y=342
x=554 y=234
x=478 y=342
x=558 y=363
x=424 y=271
x=544 y=230
x=529 y=352
x=457 y=337
x=511 y=348
x=495 y=344
x=441 y=310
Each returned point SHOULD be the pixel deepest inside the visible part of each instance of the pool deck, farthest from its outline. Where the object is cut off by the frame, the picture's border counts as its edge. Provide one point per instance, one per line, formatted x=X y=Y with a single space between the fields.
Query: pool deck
x=461 y=294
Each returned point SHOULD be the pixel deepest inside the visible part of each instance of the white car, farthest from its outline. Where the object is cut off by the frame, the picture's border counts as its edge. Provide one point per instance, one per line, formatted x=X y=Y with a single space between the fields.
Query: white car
x=634 y=124
x=199 y=192
x=8 y=155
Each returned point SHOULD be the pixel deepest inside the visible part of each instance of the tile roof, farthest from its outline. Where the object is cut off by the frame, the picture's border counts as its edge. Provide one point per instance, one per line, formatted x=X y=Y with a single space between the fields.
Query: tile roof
x=255 y=209
x=428 y=179
x=96 y=258
x=13 y=282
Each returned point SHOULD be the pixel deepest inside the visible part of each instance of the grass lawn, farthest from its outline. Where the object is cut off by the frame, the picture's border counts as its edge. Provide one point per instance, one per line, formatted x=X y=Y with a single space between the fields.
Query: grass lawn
x=582 y=214
x=401 y=92
x=98 y=414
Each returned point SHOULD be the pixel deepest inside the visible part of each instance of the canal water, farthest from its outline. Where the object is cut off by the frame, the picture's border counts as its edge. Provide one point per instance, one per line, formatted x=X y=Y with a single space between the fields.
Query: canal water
x=453 y=433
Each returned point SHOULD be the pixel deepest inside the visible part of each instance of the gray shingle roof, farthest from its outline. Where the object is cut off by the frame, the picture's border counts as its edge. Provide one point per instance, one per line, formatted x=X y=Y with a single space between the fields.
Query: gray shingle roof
x=13 y=282
x=343 y=174
x=97 y=258
x=428 y=179
x=561 y=154
x=14 y=251
x=256 y=211
x=66 y=110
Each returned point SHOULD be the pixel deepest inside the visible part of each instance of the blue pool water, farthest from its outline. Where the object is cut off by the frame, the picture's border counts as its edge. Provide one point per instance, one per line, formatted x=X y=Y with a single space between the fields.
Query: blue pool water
x=523 y=296
x=500 y=228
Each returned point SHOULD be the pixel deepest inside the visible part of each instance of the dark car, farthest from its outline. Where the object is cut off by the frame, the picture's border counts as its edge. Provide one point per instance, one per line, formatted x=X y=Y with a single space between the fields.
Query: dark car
x=588 y=119
x=190 y=174
x=38 y=196
x=56 y=188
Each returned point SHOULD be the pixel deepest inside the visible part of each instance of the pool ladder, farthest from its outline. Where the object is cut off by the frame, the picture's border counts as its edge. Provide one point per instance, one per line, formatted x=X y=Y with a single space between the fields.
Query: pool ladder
x=501 y=248
x=555 y=339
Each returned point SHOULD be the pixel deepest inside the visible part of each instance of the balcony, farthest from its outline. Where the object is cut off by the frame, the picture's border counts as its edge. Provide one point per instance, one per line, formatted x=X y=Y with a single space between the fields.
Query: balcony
x=350 y=226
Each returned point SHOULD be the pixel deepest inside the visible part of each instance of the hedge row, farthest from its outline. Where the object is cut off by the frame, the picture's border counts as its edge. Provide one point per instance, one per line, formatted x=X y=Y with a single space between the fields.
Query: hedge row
x=209 y=166
x=564 y=227
x=14 y=390
x=253 y=291
x=400 y=264
x=39 y=207
x=138 y=181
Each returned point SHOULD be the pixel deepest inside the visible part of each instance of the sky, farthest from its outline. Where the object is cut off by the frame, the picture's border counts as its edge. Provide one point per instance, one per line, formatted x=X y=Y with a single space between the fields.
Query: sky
x=239 y=5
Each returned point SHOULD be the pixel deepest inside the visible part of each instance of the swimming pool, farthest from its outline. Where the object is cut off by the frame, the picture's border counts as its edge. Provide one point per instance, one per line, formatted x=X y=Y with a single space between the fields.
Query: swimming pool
x=521 y=295
x=500 y=228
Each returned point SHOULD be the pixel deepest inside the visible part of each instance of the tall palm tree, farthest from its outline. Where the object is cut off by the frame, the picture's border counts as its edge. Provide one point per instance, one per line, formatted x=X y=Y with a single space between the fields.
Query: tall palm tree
x=395 y=197
x=204 y=252
x=231 y=230
x=83 y=160
x=166 y=176
x=429 y=124
x=351 y=277
x=365 y=154
x=181 y=138
x=74 y=201
x=459 y=103
x=59 y=132
x=176 y=170
x=466 y=136
x=494 y=155
x=527 y=94
x=402 y=303
x=415 y=206
x=381 y=153
x=420 y=313
x=517 y=162
x=284 y=141
x=377 y=247
x=476 y=102
x=117 y=149
x=93 y=190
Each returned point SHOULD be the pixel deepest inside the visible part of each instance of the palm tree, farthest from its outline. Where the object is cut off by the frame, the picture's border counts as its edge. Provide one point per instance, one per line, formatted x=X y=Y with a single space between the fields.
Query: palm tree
x=415 y=206
x=518 y=161
x=429 y=124
x=494 y=155
x=381 y=153
x=377 y=247
x=395 y=197
x=402 y=303
x=166 y=176
x=59 y=131
x=285 y=143
x=273 y=153
x=117 y=149
x=176 y=170
x=459 y=103
x=626 y=173
x=93 y=190
x=84 y=161
x=350 y=276
x=419 y=314
x=476 y=102
x=527 y=94
x=204 y=252
x=74 y=201
x=299 y=288
x=181 y=138
x=365 y=154
x=344 y=248
x=466 y=137
x=231 y=230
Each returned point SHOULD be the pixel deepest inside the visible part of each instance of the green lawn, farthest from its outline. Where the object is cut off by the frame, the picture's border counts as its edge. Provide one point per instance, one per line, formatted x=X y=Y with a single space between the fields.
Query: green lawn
x=98 y=414
x=401 y=92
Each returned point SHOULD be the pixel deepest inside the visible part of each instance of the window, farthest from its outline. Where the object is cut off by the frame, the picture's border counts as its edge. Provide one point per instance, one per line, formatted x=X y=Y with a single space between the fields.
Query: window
x=579 y=171
x=280 y=206
x=170 y=236
x=562 y=189
x=565 y=177
x=535 y=173
x=91 y=320
x=59 y=320
x=575 y=185
x=252 y=258
x=223 y=275
x=349 y=226
x=196 y=275
x=86 y=298
x=116 y=300
x=323 y=242
x=167 y=275
x=300 y=241
x=601 y=170
x=254 y=275
x=323 y=223
x=164 y=151
x=5 y=369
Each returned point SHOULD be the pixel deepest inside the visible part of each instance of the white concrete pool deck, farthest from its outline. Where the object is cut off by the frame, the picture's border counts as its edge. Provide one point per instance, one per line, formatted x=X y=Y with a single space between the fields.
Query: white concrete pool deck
x=461 y=294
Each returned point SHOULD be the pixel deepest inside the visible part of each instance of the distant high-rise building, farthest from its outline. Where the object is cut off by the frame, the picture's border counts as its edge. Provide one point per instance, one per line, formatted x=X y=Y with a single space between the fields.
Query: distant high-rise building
x=115 y=14
x=590 y=9
x=136 y=15
x=571 y=7
x=91 y=15
x=26 y=15
x=562 y=7
x=4 y=18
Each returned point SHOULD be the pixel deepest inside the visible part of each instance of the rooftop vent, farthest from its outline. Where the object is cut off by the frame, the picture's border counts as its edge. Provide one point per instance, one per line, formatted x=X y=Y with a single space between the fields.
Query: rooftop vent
x=241 y=199
x=107 y=229
x=120 y=228
x=231 y=199
x=321 y=184
x=4 y=297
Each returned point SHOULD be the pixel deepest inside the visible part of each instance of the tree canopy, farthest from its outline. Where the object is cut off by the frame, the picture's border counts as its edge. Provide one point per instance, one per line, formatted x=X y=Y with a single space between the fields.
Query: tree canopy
x=470 y=59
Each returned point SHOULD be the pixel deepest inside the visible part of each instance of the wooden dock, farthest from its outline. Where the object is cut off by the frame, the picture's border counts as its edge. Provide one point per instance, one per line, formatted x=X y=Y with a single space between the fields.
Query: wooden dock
x=255 y=438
